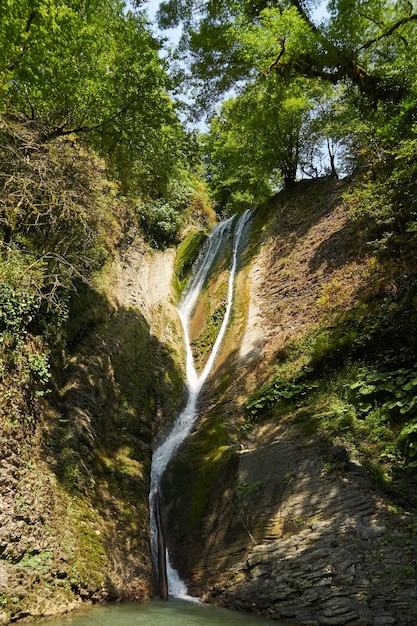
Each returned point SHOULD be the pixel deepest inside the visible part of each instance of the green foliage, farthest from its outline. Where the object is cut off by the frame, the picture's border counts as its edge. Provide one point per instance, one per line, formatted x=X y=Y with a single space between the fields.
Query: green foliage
x=245 y=491
x=92 y=69
x=162 y=219
x=56 y=205
x=187 y=252
x=394 y=393
x=280 y=394
x=385 y=201
x=17 y=308
x=358 y=60
x=256 y=143
x=27 y=317
x=161 y=223
x=230 y=40
x=40 y=562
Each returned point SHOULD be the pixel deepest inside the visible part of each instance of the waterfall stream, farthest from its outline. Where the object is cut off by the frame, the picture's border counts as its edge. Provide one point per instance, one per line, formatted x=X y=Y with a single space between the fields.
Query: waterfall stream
x=185 y=421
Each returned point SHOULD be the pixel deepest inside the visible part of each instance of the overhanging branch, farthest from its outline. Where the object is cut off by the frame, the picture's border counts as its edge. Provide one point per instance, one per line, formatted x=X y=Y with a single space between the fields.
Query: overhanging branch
x=390 y=31
x=62 y=131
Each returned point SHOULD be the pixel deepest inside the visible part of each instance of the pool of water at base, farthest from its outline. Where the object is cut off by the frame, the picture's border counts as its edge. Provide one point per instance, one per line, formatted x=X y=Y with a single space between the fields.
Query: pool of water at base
x=174 y=612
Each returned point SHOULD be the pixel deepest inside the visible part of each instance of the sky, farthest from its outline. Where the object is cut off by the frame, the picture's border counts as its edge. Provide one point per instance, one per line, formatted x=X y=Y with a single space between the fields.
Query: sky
x=153 y=5
x=171 y=34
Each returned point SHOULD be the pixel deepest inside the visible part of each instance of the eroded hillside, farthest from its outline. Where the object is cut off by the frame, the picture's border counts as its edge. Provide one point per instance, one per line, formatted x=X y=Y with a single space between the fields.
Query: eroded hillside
x=293 y=497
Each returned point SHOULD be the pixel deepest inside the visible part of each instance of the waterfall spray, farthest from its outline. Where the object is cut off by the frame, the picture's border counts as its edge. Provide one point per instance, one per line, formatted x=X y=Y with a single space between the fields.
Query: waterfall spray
x=185 y=421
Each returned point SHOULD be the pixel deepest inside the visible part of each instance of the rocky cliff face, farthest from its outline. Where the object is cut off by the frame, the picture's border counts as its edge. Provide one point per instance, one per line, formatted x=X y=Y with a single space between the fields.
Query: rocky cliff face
x=275 y=518
x=75 y=475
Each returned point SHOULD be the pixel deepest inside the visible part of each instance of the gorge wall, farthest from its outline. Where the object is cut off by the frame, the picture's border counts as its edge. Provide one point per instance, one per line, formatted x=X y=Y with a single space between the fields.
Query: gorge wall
x=75 y=475
x=269 y=515
x=276 y=517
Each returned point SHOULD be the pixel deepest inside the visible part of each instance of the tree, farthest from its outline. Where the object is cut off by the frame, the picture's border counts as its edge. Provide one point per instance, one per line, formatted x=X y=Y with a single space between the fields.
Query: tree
x=331 y=127
x=234 y=169
x=257 y=141
x=360 y=42
x=92 y=69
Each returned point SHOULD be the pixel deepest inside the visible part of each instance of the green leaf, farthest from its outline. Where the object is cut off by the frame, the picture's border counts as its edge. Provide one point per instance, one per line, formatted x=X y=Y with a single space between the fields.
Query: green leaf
x=365 y=390
x=410 y=385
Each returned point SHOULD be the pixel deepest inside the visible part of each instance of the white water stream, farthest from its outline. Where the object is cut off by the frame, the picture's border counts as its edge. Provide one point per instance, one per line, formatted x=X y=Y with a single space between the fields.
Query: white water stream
x=185 y=421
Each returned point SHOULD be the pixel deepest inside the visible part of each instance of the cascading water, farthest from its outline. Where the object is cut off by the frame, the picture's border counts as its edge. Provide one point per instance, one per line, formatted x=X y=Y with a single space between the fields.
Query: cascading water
x=195 y=382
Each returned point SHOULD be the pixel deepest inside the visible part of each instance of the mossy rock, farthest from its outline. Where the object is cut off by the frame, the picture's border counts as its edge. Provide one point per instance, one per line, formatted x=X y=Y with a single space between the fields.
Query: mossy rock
x=196 y=474
x=187 y=253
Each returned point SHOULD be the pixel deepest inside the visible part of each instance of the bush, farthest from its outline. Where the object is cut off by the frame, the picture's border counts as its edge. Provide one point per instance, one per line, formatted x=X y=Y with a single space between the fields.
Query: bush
x=55 y=202
x=161 y=223
x=385 y=199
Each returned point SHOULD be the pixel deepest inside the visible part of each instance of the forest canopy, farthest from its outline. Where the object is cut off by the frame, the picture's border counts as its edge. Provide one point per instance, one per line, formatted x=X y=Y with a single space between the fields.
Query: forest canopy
x=302 y=91
x=93 y=70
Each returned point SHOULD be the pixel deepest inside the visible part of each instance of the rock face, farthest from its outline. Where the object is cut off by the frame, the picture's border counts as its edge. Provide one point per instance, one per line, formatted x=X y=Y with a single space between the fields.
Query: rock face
x=277 y=521
x=74 y=478
x=322 y=549
x=290 y=540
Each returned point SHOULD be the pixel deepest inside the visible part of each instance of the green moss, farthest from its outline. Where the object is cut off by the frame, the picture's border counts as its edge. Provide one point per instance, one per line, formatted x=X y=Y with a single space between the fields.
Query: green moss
x=203 y=344
x=89 y=552
x=187 y=253
x=194 y=476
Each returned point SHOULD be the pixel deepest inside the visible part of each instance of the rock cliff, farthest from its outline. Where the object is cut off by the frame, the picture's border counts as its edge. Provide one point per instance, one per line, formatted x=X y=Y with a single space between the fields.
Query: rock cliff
x=272 y=515
x=277 y=517
x=75 y=474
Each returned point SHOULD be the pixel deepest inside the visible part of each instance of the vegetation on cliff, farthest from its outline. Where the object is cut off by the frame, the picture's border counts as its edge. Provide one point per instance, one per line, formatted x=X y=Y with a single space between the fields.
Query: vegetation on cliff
x=95 y=161
x=350 y=371
x=306 y=438
x=324 y=93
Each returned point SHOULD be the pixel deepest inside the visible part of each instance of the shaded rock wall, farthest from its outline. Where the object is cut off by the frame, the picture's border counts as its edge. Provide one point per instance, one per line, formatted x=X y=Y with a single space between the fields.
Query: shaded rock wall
x=323 y=548
x=75 y=475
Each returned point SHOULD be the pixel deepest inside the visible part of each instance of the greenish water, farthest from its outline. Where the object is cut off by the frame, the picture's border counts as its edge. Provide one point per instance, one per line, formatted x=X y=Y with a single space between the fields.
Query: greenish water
x=175 y=612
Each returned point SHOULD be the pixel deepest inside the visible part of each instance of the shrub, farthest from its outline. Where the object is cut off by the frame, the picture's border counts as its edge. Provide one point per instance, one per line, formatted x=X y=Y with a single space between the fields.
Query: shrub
x=160 y=222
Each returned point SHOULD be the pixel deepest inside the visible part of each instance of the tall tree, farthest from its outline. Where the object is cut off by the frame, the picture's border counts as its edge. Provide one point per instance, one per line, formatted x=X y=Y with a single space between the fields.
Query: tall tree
x=258 y=140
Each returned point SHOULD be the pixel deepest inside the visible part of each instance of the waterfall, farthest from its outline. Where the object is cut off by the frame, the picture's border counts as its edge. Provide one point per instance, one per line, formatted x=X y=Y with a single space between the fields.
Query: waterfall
x=185 y=421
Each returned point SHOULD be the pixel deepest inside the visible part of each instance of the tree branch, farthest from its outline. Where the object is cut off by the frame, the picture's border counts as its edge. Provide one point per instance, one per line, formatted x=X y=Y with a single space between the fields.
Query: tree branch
x=61 y=132
x=390 y=31
x=16 y=61
x=277 y=63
